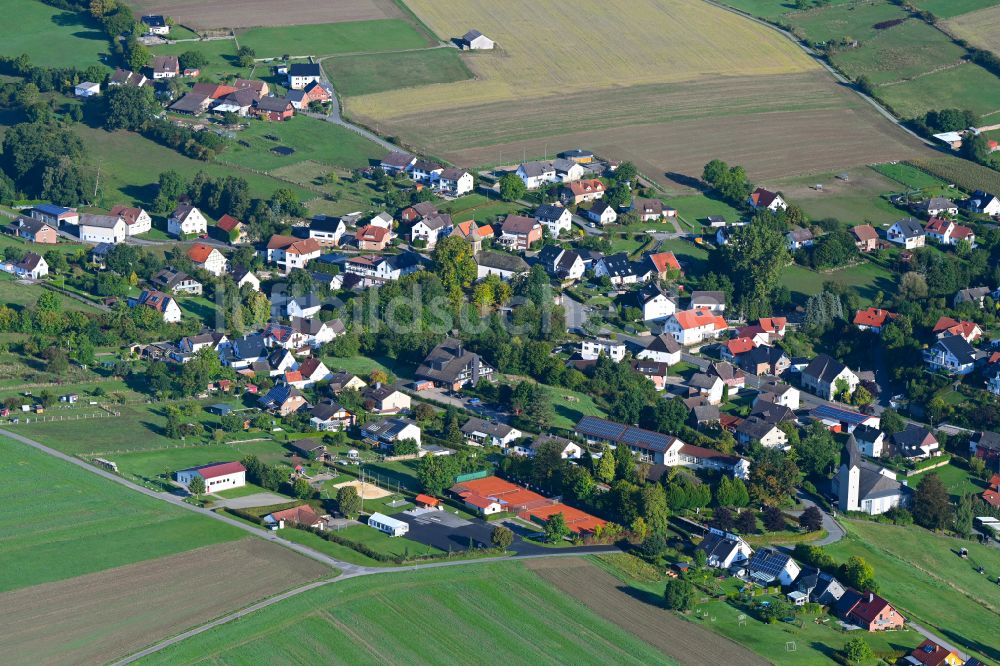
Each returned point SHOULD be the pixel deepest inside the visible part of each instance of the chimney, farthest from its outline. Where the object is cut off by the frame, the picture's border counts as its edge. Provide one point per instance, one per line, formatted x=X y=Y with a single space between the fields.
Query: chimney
x=871 y=597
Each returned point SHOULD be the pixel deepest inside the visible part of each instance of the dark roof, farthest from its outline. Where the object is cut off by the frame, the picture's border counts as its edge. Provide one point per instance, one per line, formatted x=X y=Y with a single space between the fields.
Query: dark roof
x=866 y=433
x=273 y=104
x=566 y=261
x=249 y=346
x=912 y=437
x=385 y=429
x=909 y=227
x=755 y=428
x=987 y=440
x=100 y=221
x=326 y=410
x=307 y=446
x=304 y=69
x=708 y=297
x=850 y=455
x=30 y=261
x=958 y=347
x=824 y=368
x=154 y=21
x=447 y=361
x=618 y=265
x=663 y=343
x=768 y=562
x=549 y=254
x=502 y=261
x=31 y=225
x=602 y=429
x=549 y=212
x=718 y=546
x=397 y=159
x=489 y=427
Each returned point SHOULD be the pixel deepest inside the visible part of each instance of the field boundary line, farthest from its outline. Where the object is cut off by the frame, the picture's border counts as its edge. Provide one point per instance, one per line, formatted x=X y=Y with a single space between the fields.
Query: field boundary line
x=840 y=78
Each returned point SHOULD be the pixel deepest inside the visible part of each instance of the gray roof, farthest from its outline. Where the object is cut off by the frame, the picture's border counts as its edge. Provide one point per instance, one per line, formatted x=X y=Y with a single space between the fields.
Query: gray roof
x=502 y=261
x=100 y=221
x=273 y=104
x=472 y=34
x=987 y=440
x=549 y=212
x=718 y=546
x=535 y=169
x=304 y=69
x=663 y=343
x=452 y=174
x=708 y=297
x=488 y=427
x=385 y=429
x=397 y=159
x=755 y=428
x=938 y=203
x=958 y=347
x=447 y=361
x=824 y=368
x=910 y=228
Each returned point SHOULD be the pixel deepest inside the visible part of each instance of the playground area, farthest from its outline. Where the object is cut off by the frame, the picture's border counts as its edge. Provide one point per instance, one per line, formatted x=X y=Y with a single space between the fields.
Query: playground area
x=366 y=490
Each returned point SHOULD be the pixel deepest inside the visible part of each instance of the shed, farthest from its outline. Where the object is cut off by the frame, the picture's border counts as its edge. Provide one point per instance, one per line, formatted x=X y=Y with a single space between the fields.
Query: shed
x=219 y=409
x=390 y=526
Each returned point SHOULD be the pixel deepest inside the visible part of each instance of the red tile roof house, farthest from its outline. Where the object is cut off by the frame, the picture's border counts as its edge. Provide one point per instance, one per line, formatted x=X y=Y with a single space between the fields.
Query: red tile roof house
x=930 y=653
x=520 y=232
x=232 y=227
x=869 y=611
x=761 y=198
x=302 y=516
x=693 y=326
x=217 y=476
x=865 y=237
x=946 y=326
x=138 y=220
x=581 y=190
x=663 y=263
x=873 y=319
x=373 y=238
x=767 y=329
x=289 y=252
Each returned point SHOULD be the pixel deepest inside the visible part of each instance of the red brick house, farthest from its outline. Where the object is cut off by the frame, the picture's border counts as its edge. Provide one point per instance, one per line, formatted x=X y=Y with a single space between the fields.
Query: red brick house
x=869 y=611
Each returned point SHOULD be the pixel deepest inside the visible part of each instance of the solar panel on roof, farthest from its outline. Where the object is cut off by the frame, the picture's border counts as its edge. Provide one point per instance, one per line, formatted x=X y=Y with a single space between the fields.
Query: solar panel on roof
x=768 y=563
x=646 y=439
x=596 y=427
x=846 y=415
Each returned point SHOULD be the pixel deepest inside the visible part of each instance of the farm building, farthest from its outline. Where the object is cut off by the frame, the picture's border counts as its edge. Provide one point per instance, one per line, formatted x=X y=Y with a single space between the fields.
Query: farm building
x=476 y=41
x=303 y=516
x=387 y=524
x=217 y=476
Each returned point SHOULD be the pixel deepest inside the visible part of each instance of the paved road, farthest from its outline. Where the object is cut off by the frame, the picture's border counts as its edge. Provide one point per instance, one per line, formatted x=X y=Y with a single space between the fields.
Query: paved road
x=337 y=118
x=834 y=531
x=250 y=501
x=927 y=633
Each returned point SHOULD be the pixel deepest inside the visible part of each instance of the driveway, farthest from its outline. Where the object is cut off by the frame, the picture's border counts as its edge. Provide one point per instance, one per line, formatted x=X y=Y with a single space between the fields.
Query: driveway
x=834 y=531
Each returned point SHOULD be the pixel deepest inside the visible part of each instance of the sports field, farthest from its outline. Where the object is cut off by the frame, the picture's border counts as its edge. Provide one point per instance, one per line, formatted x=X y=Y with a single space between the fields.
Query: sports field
x=250 y=13
x=79 y=523
x=981 y=28
x=498 y=613
x=52 y=37
x=922 y=573
x=534 y=95
x=104 y=616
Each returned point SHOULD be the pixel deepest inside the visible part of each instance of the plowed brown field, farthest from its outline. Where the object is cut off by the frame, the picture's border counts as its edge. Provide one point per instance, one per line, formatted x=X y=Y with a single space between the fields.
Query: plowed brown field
x=99 y=617
x=606 y=596
x=202 y=14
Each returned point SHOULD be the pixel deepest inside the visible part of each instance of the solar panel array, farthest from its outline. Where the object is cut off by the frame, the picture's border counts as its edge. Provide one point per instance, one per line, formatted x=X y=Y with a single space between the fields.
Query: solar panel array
x=768 y=562
x=596 y=428
x=845 y=415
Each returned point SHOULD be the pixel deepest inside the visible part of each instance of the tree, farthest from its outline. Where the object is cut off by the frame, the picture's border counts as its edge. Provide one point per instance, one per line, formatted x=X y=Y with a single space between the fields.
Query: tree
x=774 y=519
x=860 y=575
x=964 y=515
x=197 y=485
x=932 y=504
x=754 y=259
x=501 y=537
x=892 y=422
x=192 y=60
x=746 y=522
x=556 y=529
x=348 y=501
x=604 y=469
x=405 y=447
x=653 y=503
x=437 y=473
x=128 y=107
x=817 y=451
x=976 y=148
x=456 y=267
x=811 y=520
x=512 y=187
x=301 y=488
x=626 y=173
x=678 y=595
x=723 y=519
x=858 y=651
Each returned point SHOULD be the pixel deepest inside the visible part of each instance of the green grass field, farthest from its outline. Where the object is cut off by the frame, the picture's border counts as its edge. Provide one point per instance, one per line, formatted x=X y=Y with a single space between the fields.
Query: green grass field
x=922 y=574
x=127 y=179
x=221 y=56
x=850 y=21
x=373 y=73
x=866 y=278
x=331 y=38
x=52 y=37
x=769 y=9
x=571 y=406
x=908 y=175
x=58 y=521
x=956 y=480
x=479 y=208
x=968 y=86
x=13 y=293
x=696 y=207
x=383 y=543
x=478 y=614
x=901 y=52
x=148 y=465
x=951 y=8
x=312 y=139
x=693 y=259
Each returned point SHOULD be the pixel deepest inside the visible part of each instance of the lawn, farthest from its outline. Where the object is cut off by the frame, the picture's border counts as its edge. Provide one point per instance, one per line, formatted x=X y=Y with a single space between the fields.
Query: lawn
x=921 y=573
x=479 y=208
x=362 y=366
x=908 y=175
x=312 y=139
x=958 y=481
x=901 y=52
x=139 y=428
x=968 y=86
x=571 y=406
x=402 y=472
x=154 y=464
x=350 y=196
x=866 y=278
x=52 y=37
x=383 y=543
x=323 y=39
x=697 y=208
x=82 y=523
x=497 y=613
x=14 y=293
x=220 y=53
x=693 y=258
x=126 y=179
x=377 y=72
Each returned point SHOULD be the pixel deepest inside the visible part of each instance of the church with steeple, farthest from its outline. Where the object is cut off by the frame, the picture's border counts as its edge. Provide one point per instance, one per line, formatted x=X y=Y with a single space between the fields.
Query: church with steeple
x=864 y=486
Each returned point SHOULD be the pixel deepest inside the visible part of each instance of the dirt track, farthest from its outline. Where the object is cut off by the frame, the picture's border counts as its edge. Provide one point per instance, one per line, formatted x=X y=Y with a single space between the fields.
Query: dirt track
x=201 y=14
x=606 y=596
x=95 y=618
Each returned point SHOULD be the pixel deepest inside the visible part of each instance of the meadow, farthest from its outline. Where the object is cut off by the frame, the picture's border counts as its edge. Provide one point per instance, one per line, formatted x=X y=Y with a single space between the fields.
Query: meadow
x=314 y=140
x=967 y=86
x=479 y=208
x=908 y=175
x=866 y=278
x=377 y=72
x=980 y=28
x=497 y=613
x=844 y=21
x=902 y=52
x=52 y=37
x=332 y=38
x=155 y=464
x=221 y=56
x=82 y=523
x=18 y=295
x=921 y=573
x=861 y=197
x=944 y=9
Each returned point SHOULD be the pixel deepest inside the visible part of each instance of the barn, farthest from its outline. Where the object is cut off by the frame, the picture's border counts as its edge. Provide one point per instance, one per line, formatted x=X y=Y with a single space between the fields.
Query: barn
x=217 y=476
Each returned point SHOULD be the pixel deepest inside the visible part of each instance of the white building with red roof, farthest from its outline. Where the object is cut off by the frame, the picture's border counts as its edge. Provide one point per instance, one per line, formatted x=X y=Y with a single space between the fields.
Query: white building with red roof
x=289 y=252
x=873 y=319
x=762 y=199
x=207 y=258
x=690 y=327
x=137 y=219
x=946 y=327
x=217 y=476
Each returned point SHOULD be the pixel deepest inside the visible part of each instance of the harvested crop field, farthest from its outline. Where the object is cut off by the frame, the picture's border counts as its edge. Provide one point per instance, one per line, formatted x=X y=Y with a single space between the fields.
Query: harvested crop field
x=981 y=29
x=103 y=616
x=607 y=596
x=487 y=613
x=203 y=14
x=733 y=90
